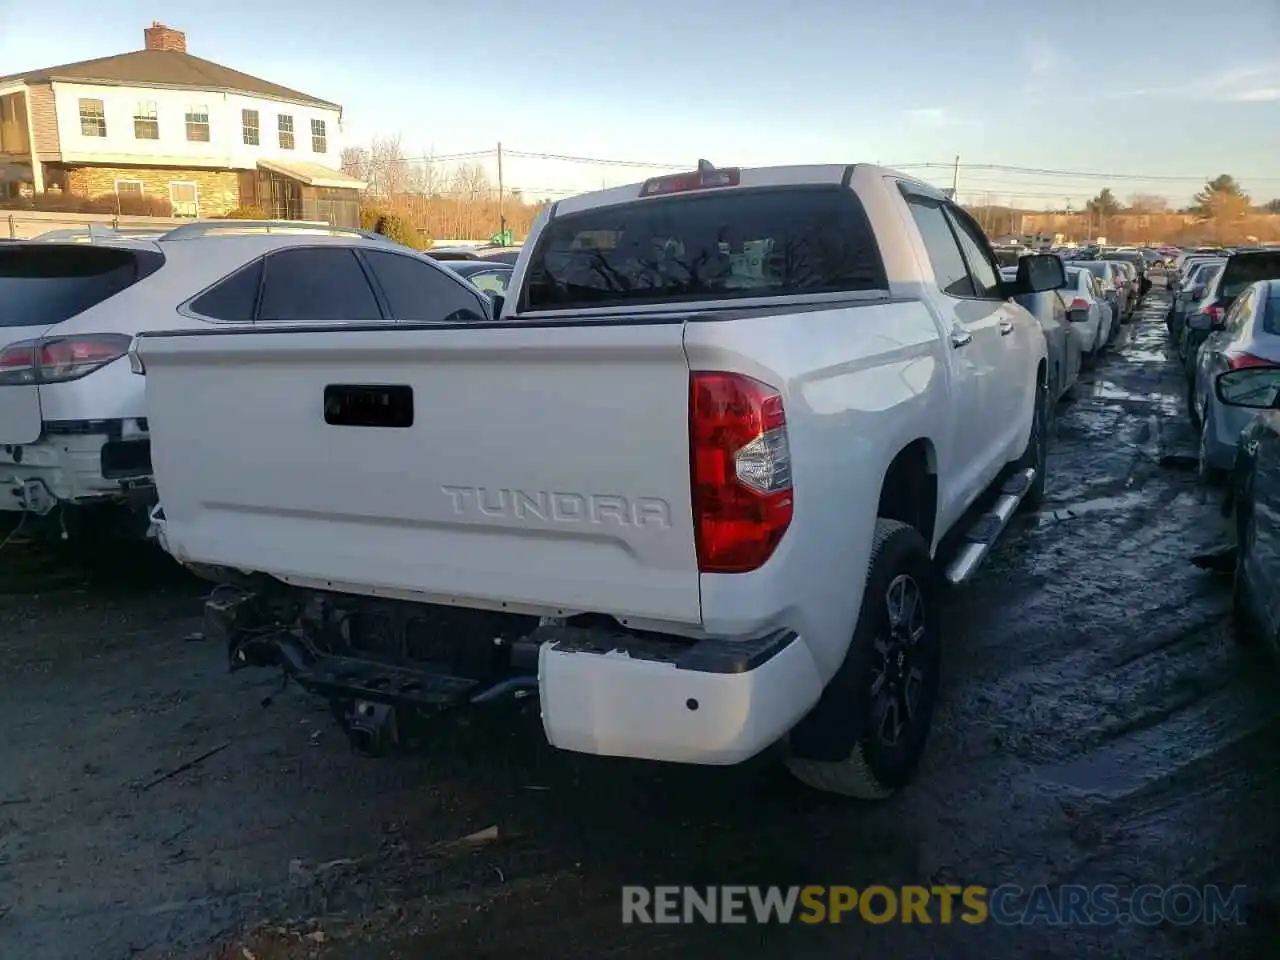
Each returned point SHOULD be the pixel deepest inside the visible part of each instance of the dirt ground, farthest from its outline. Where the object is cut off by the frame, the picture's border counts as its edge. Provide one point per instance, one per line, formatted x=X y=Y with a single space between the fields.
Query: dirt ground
x=1098 y=725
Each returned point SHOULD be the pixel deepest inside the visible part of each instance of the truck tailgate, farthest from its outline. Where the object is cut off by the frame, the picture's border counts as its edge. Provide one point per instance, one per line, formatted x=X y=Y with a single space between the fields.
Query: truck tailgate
x=541 y=466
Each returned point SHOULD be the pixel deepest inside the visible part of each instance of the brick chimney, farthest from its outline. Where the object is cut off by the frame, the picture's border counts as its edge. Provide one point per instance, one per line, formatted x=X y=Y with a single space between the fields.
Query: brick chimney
x=160 y=37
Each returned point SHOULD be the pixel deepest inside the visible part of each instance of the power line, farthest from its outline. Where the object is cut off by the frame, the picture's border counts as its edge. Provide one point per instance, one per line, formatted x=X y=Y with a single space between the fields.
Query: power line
x=530 y=155
x=914 y=165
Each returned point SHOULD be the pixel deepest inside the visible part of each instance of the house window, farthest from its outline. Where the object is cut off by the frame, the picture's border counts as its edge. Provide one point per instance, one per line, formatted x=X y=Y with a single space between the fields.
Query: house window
x=249 y=124
x=146 y=125
x=284 y=125
x=93 y=120
x=185 y=199
x=198 y=123
x=319 y=142
x=128 y=188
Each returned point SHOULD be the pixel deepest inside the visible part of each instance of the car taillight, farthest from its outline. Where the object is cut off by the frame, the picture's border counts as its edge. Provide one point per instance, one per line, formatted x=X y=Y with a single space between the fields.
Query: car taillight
x=1215 y=314
x=740 y=466
x=58 y=359
x=1241 y=361
x=1079 y=303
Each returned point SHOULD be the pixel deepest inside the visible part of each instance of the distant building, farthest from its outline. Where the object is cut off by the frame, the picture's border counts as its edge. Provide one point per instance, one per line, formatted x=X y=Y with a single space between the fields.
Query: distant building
x=159 y=122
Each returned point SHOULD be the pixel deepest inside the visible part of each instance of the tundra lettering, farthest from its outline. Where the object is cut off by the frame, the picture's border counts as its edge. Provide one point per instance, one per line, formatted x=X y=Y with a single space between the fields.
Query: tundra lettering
x=554 y=507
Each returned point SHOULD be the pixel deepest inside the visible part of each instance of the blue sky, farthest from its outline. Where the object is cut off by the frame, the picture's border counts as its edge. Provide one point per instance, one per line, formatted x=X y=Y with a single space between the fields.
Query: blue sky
x=1178 y=90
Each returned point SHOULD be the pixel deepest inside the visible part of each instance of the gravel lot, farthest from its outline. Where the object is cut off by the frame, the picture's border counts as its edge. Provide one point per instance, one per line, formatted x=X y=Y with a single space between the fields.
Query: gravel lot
x=1098 y=725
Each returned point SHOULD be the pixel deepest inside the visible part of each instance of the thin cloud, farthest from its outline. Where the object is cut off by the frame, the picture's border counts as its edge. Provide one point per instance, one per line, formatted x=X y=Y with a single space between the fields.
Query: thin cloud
x=1044 y=66
x=1250 y=83
x=1261 y=95
x=929 y=117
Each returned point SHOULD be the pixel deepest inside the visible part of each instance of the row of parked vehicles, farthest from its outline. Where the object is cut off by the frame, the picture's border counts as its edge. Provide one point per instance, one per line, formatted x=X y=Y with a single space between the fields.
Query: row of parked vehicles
x=696 y=477
x=1224 y=322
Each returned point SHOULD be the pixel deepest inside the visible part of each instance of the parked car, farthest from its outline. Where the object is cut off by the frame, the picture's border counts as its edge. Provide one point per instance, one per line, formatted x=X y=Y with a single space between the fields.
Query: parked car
x=694 y=497
x=507 y=255
x=1200 y=275
x=484 y=273
x=1209 y=313
x=1249 y=337
x=1064 y=342
x=1129 y=284
x=1255 y=489
x=453 y=253
x=1087 y=311
x=1009 y=256
x=1181 y=276
x=1113 y=290
x=74 y=429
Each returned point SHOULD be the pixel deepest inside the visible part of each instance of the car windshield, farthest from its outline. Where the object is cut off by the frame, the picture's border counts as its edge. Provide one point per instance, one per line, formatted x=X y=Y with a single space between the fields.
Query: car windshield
x=1242 y=270
x=709 y=245
x=1097 y=267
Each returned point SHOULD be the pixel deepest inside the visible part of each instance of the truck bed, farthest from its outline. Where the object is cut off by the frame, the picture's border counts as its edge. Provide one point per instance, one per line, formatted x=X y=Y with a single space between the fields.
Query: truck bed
x=536 y=468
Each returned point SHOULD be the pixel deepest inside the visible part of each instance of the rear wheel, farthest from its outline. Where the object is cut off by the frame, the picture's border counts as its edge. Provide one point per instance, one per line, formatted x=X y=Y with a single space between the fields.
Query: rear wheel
x=1247 y=630
x=876 y=712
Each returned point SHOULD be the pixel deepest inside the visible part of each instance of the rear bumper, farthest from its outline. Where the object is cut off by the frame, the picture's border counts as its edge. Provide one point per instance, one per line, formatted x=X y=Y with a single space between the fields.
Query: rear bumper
x=705 y=706
x=74 y=463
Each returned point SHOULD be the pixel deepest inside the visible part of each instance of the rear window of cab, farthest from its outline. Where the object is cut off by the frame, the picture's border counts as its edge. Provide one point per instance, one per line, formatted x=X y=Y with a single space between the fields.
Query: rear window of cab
x=712 y=244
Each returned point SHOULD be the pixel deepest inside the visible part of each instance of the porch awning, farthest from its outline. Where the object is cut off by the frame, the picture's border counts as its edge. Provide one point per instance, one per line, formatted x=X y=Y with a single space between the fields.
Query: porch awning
x=312 y=174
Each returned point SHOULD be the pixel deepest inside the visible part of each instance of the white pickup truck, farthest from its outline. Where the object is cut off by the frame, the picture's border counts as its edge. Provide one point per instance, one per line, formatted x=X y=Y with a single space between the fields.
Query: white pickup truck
x=697 y=485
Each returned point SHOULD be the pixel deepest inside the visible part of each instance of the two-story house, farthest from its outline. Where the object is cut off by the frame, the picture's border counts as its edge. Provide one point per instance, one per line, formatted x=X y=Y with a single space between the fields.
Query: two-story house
x=160 y=122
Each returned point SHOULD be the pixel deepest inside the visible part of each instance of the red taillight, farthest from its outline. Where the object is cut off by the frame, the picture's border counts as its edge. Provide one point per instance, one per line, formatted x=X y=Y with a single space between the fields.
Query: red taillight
x=740 y=466
x=1241 y=361
x=59 y=359
x=1215 y=314
x=1079 y=303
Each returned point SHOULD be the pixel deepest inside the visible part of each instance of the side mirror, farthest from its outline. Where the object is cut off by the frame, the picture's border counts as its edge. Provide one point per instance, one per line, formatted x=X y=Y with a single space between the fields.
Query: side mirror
x=1038 y=272
x=496 y=300
x=1254 y=388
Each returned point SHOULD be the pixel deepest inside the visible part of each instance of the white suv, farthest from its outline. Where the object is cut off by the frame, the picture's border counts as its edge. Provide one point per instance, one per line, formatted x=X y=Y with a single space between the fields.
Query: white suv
x=73 y=425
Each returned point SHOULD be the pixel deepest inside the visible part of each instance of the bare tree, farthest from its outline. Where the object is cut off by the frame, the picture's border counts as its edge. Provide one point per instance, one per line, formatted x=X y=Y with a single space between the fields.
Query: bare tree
x=1147 y=203
x=354 y=162
x=388 y=170
x=424 y=177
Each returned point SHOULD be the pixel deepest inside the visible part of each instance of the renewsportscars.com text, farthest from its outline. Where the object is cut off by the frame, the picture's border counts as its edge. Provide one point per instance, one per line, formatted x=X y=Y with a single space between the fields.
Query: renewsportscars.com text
x=1007 y=904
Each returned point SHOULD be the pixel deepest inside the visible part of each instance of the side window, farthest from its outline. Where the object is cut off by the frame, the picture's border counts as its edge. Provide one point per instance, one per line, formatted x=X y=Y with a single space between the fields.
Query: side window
x=986 y=278
x=491 y=281
x=1239 y=313
x=233 y=298
x=940 y=243
x=419 y=292
x=317 y=285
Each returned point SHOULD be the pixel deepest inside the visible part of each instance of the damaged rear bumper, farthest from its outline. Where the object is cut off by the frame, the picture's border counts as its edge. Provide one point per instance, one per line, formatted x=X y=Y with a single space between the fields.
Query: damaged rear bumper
x=715 y=702
x=712 y=701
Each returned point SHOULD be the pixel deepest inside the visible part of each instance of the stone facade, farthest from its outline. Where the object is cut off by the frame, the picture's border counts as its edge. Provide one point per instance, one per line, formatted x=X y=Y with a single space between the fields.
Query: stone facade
x=218 y=191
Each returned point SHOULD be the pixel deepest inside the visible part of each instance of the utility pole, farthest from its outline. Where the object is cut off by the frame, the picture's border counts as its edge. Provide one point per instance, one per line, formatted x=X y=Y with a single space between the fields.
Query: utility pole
x=502 y=217
x=955 y=177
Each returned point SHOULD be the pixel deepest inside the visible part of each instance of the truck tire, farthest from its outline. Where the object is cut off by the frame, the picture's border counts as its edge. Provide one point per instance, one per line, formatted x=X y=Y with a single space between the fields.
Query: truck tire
x=883 y=695
x=1037 y=453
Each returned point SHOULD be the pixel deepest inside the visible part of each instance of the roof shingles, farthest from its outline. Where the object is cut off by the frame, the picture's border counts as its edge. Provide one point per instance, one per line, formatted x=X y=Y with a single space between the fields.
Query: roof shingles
x=165 y=68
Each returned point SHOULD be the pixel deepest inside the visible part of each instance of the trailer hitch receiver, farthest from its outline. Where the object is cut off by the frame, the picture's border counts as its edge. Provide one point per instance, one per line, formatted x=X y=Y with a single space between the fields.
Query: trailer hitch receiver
x=371 y=728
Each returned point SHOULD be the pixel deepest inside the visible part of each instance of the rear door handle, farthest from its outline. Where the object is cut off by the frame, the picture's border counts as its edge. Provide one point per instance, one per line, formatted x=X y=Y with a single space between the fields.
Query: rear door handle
x=1006 y=327
x=960 y=338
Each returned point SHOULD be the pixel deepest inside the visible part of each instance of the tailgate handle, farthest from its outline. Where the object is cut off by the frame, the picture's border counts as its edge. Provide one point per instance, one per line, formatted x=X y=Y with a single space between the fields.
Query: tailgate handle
x=368 y=405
